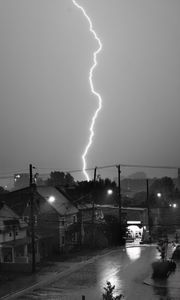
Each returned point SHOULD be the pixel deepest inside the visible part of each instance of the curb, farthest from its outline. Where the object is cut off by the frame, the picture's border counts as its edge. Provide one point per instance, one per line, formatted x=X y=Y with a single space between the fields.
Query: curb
x=161 y=283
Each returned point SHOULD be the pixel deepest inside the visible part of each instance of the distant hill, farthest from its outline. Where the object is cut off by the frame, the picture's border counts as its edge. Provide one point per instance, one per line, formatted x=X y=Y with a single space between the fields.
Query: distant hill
x=138 y=175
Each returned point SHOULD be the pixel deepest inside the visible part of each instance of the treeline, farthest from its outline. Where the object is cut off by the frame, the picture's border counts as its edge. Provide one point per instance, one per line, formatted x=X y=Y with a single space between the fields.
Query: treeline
x=162 y=192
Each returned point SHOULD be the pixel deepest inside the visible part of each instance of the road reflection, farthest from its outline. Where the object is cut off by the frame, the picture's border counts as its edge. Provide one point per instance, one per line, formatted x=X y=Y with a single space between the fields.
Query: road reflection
x=133 y=253
x=110 y=270
x=125 y=268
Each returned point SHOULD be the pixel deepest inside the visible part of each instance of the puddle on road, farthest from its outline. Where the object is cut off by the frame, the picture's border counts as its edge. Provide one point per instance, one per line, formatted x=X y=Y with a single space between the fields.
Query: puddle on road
x=134 y=253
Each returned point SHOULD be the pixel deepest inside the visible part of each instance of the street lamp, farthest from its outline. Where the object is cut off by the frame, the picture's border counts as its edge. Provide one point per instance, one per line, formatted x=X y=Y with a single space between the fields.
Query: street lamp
x=159 y=195
x=109 y=192
x=51 y=199
x=174 y=205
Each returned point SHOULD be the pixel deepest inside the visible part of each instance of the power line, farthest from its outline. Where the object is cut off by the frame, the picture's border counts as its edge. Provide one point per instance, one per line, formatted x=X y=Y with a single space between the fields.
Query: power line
x=92 y=168
x=115 y=165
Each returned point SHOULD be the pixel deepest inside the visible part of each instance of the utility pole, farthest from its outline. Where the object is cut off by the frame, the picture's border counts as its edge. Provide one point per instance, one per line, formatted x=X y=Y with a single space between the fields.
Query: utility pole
x=148 y=208
x=95 y=171
x=93 y=207
x=119 y=193
x=93 y=204
x=31 y=184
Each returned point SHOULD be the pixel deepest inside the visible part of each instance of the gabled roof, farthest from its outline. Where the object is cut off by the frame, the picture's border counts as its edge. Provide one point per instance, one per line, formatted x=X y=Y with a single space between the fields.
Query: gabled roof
x=18 y=200
x=61 y=203
x=9 y=217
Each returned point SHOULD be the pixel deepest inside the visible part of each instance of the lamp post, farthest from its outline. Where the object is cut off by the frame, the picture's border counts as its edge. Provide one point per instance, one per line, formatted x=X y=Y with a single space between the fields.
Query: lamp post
x=148 y=209
x=93 y=209
x=32 y=186
x=119 y=193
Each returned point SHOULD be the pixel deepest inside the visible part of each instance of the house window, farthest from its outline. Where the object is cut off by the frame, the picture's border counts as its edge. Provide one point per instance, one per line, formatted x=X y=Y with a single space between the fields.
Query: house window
x=63 y=240
x=73 y=237
x=74 y=219
x=16 y=232
x=62 y=222
x=10 y=233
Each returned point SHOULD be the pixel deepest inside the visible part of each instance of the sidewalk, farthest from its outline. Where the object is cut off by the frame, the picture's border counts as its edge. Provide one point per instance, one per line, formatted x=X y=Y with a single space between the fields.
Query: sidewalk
x=173 y=281
x=51 y=270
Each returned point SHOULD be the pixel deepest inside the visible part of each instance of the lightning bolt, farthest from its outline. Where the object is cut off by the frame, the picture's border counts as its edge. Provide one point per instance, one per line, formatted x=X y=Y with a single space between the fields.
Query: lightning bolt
x=91 y=129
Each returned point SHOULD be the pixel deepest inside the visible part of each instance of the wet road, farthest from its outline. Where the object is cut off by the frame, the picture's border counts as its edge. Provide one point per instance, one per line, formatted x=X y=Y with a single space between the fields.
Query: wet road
x=124 y=268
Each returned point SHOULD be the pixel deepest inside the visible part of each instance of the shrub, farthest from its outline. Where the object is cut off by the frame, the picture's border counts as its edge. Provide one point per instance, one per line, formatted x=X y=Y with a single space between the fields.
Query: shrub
x=162 y=269
x=162 y=248
x=108 y=295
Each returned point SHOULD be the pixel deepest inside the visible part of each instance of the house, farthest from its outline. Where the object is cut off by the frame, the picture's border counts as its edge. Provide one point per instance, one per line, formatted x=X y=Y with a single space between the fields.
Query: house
x=111 y=210
x=54 y=217
x=13 y=237
x=90 y=219
x=165 y=220
x=57 y=215
x=135 y=218
x=87 y=211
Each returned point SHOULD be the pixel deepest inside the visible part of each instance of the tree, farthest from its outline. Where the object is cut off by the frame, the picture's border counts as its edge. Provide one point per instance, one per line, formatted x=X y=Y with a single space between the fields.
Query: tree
x=164 y=184
x=140 y=199
x=109 y=290
x=162 y=191
x=115 y=232
x=60 y=179
x=97 y=190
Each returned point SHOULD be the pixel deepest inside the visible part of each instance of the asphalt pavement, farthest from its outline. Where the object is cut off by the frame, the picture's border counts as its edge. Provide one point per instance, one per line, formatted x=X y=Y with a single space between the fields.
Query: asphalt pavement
x=17 y=285
x=55 y=270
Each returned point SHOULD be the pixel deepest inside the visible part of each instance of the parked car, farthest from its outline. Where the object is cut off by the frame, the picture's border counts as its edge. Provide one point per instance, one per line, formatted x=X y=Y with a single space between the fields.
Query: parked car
x=176 y=252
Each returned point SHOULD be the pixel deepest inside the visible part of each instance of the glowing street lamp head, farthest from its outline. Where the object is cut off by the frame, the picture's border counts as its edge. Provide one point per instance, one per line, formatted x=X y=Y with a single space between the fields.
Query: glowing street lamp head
x=109 y=192
x=51 y=199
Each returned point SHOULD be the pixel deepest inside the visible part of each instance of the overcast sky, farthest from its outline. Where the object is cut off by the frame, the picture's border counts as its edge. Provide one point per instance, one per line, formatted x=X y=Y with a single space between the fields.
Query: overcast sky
x=46 y=103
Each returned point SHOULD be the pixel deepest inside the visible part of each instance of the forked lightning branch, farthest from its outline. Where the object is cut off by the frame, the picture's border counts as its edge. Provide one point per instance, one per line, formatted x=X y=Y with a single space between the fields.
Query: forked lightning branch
x=92 y=125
